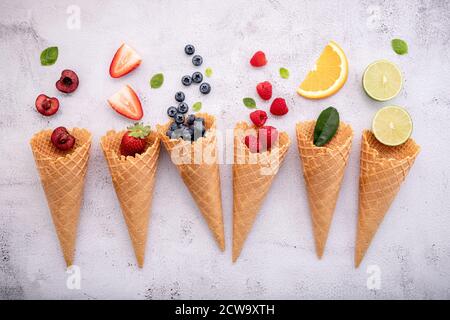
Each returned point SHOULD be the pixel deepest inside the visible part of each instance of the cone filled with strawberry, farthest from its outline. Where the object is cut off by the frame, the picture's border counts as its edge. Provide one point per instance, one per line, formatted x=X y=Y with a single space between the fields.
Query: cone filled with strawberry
x=132 y=157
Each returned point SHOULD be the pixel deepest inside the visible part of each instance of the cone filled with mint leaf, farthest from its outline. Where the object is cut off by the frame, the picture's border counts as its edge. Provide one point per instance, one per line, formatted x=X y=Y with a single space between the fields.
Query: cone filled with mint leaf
x=324 y=147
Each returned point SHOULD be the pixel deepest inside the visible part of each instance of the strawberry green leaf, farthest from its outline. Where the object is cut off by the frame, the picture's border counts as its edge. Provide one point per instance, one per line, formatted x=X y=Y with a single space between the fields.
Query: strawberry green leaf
x=249 y=103
x=138 y=130
x=208 y=72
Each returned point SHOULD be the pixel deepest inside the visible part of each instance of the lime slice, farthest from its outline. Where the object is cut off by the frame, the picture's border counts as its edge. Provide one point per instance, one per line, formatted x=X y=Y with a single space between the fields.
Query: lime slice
x=382 y=80
x=392 y=125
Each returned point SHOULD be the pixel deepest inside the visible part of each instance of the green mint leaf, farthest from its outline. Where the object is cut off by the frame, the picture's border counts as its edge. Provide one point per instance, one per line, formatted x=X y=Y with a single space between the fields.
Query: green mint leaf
x=399 y=46
x=326 y=126
x=284 y=73
x=249 y=103
x=157 y=81
x=197 y=106
x=49 y=56
x=208 y=72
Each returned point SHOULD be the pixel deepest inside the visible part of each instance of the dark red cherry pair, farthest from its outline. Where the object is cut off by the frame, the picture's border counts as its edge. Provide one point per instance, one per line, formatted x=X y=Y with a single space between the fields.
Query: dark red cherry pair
x=68 y=83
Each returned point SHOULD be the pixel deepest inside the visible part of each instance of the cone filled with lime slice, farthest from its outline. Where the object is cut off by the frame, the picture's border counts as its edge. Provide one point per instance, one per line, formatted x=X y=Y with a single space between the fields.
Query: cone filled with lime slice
x=387 y=155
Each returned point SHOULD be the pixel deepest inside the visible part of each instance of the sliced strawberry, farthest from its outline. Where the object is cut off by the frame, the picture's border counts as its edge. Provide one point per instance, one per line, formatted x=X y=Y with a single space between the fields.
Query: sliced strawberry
x=258 y=59
x=127 y=103
x=252 y=143
x=125 y=60
x=267 y=137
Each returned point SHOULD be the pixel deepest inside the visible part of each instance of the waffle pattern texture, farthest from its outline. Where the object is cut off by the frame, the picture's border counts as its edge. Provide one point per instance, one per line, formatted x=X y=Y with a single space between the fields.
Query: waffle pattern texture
x=253 y=174
x=133 y=179
x=198 y=166
x=62 y=176
x=383 y=169
x=323 y=170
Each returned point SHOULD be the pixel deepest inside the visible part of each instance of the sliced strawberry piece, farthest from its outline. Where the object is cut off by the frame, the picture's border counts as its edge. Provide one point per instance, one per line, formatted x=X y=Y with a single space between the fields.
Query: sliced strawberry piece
x=267 y=137
x=252 y=143
x=127 y=103
x=125 y=60
x=258 y=59
x=264 y=90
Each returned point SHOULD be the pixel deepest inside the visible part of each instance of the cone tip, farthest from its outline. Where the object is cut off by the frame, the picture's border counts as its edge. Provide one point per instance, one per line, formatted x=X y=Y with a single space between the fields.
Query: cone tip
x=319 y=253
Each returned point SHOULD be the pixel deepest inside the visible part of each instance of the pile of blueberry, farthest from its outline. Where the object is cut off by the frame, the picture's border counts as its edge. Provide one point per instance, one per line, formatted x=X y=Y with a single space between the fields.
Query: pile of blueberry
x=188 y=128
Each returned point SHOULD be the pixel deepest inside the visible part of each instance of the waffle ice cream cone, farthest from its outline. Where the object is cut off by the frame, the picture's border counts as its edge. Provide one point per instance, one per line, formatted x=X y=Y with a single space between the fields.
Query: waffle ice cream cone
x=383 y=169
x=62 y=176
x=253 y=174
x=198 y=166
x=133 y=179
x=323 y=170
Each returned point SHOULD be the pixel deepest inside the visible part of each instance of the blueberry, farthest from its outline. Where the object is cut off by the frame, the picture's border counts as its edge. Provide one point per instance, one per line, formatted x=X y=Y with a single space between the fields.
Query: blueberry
x=197 y=77
x=172 y=111
x=176 y=134
x=205 y=88
x=200 y=119
x=183 y=107
x=186 y=134
x=198 y=129
x=173 y=126
x=179 y=96
x=189 y=49
x=197 y=60
x=179 y=118
x=186 y=80
x=169 y=133
x=190 y=119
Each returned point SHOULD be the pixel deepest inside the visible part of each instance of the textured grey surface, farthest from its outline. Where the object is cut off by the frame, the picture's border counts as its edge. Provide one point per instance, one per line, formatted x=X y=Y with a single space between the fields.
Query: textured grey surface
x=411 y=249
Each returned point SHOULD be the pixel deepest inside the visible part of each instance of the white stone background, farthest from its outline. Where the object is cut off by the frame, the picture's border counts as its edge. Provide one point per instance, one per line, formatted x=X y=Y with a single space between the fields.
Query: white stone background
x=411 y=248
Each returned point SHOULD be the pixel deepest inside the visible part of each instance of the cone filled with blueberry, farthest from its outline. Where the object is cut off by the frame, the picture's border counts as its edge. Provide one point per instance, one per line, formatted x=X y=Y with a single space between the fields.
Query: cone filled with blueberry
x=61 y=158
x=200 y=174
x=132 y=157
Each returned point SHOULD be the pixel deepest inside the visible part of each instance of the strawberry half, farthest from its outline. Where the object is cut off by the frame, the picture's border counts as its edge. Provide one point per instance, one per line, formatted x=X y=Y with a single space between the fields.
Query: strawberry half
x=258 y=59
x=127 y=103
x=125 y=60
x=264 y=90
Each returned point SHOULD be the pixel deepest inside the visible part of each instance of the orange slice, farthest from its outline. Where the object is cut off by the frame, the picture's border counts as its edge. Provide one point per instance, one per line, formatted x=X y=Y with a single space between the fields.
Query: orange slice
x=328 y=76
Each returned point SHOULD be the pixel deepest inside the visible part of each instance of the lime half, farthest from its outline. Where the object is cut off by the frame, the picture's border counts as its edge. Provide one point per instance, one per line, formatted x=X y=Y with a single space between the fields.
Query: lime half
x=392 y=125
x=382 y=80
